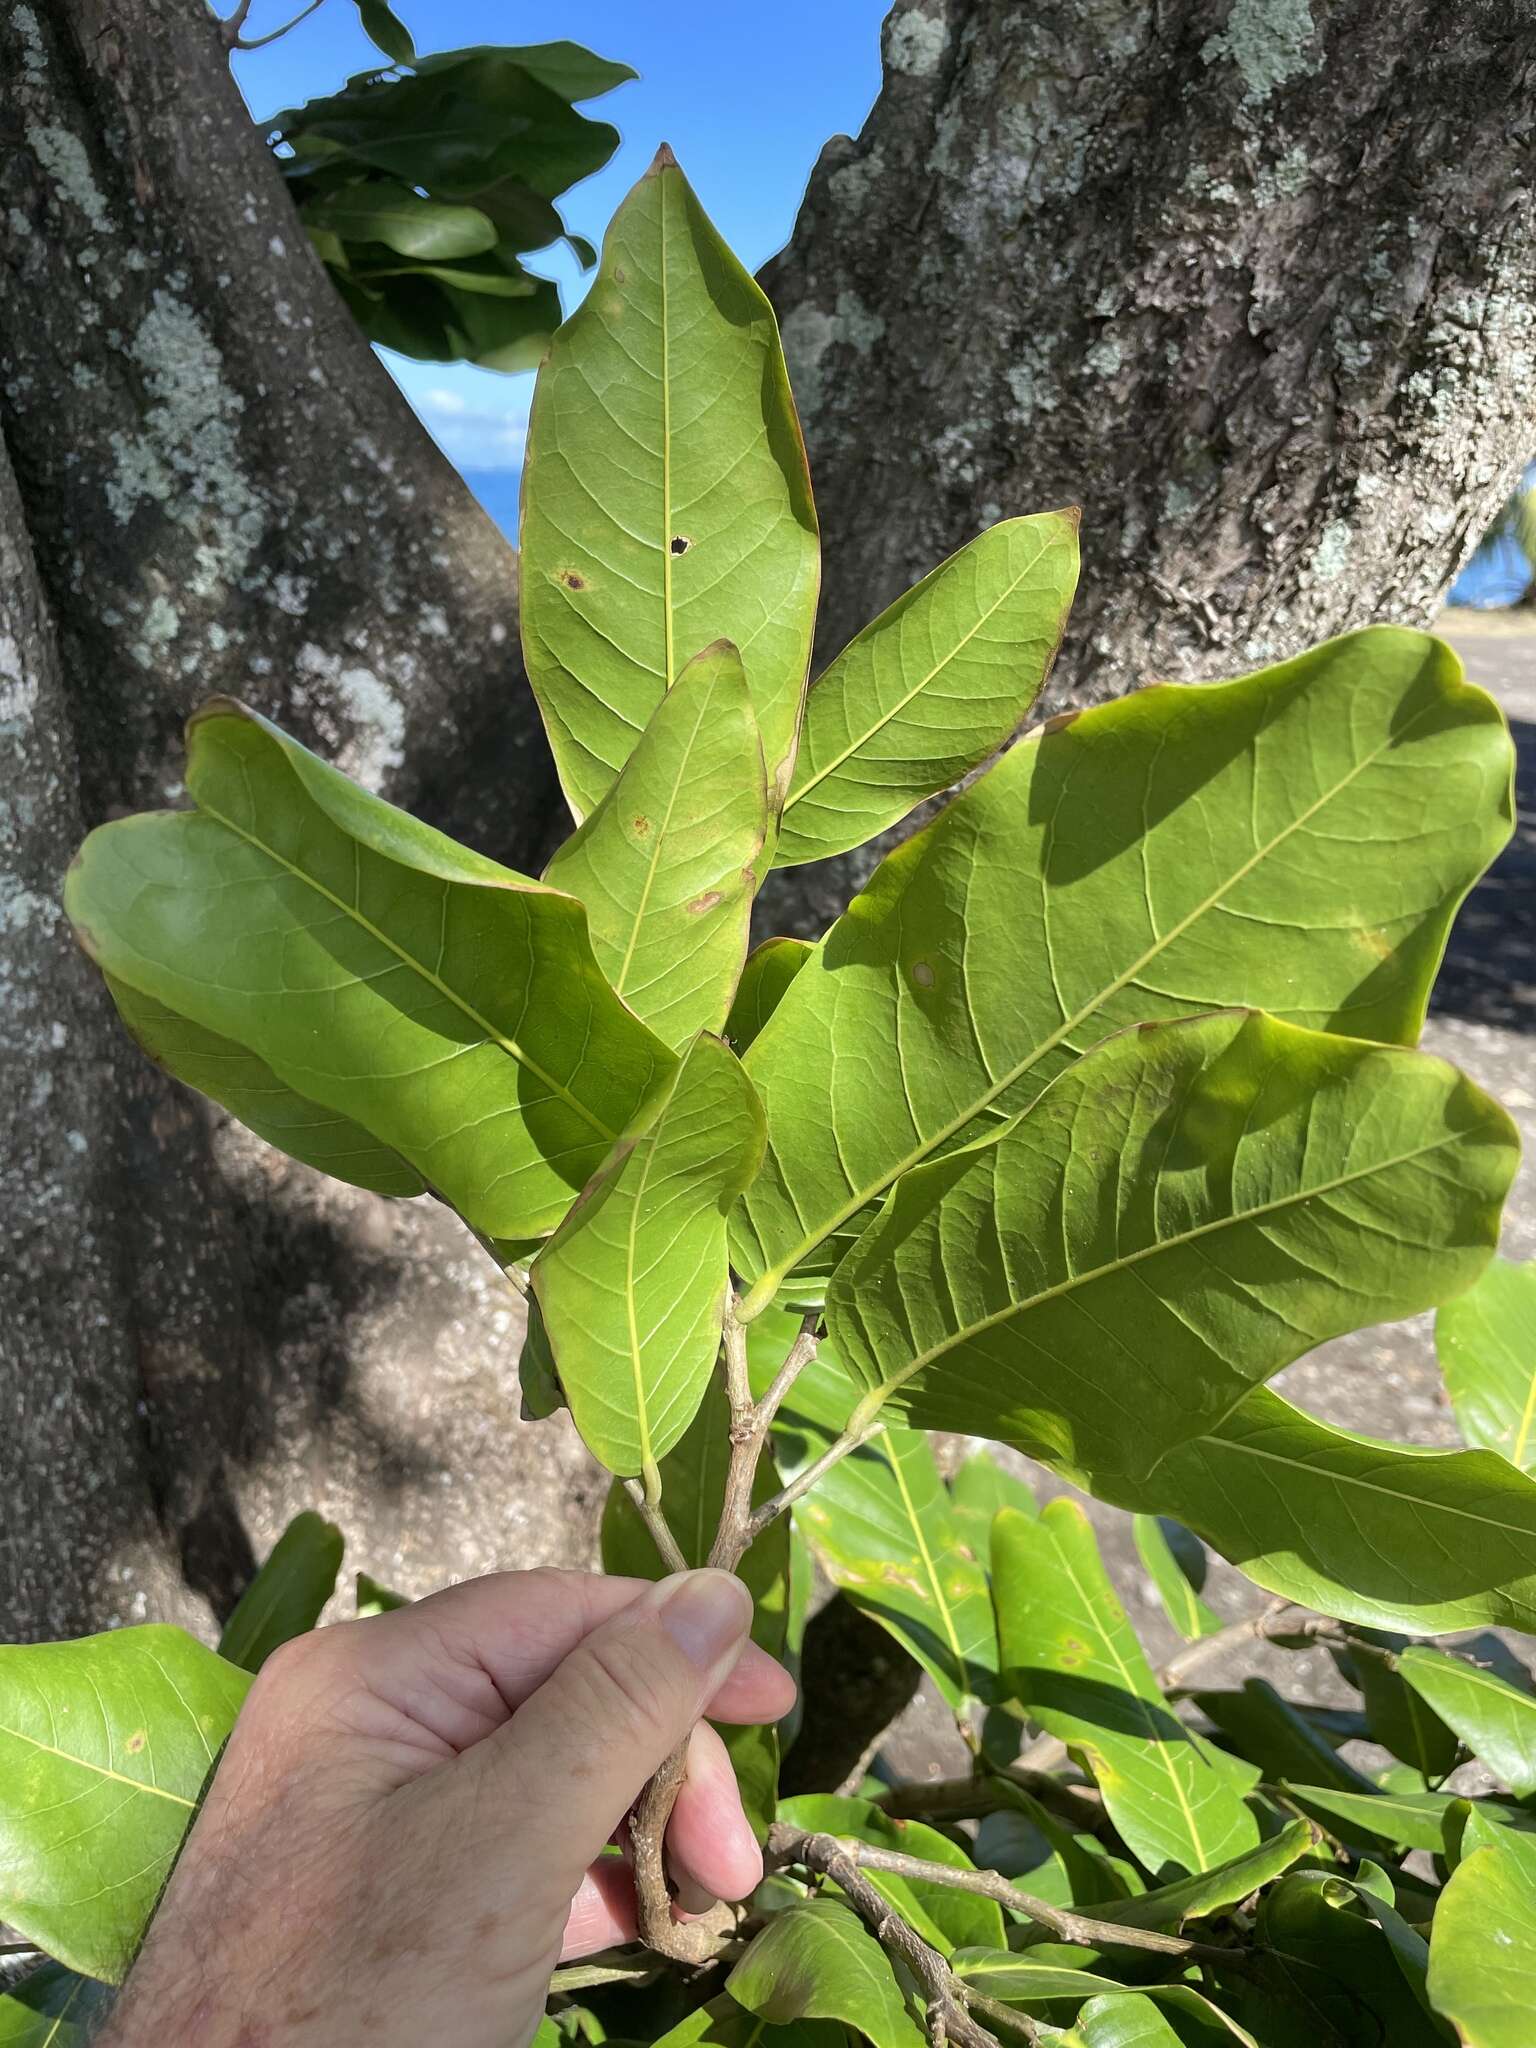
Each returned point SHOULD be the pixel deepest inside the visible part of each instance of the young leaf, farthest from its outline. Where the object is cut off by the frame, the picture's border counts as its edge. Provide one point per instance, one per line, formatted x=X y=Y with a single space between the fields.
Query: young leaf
x=666 y=501
x=632 y=1286
x=932 y=687
x=1487 y=1345
x=1494 y=1719
x=446 y=1006
x=1482 y=1951
x=693 y=1491
x=665 y=864
x=770 y=969
x=53 y=2008
x=1177 y=1573
x=1212 y=1891
x=816 y=1962
x=288 y=1595
x=384 y=28
x=1165 y=1227
x=1175 y=852
x=1073 y=1660
x=1387 y=1534
x=948 y=1919
x=104 y=1747
x=883 y=1530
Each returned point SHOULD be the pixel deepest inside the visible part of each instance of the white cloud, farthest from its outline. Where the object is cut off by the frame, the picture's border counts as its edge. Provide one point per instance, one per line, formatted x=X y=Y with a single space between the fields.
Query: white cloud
x=471 y=436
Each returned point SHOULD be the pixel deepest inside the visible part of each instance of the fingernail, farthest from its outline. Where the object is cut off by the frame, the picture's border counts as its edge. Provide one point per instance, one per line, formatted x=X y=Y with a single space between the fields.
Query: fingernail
x=706 y=1614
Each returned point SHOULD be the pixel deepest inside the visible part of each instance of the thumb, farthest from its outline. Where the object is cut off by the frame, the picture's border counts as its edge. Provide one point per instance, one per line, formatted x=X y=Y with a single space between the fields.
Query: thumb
x=578 y=1752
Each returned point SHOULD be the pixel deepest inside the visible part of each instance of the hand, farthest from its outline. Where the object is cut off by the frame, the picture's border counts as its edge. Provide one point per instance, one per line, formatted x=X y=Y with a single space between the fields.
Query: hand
x=405 y=1833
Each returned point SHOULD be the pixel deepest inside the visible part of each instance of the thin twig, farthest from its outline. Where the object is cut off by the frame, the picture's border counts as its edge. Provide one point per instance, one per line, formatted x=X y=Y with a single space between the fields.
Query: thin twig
x=788 y=1844
x=615 y=1969
x=750 y=1423
x=949 y=2018
x=861 y=1427
x=655 y=1521
x=19 y=1948
x=943 y=1799
x=233 y=23
x=240 y=42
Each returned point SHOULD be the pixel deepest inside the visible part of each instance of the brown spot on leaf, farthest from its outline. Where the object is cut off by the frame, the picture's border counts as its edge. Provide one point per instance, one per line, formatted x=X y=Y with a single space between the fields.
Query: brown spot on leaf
x=620 y=274
x=705 y=902
x=922 y=974
x=571 y=580
x=136 y=1741
x=681 y=543
x=1061 y=721
x=642 y=823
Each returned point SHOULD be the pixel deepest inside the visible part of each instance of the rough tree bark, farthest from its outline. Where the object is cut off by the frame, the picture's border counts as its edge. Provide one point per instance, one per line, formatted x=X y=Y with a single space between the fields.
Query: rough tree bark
x=209 y=484
x=1251 y=280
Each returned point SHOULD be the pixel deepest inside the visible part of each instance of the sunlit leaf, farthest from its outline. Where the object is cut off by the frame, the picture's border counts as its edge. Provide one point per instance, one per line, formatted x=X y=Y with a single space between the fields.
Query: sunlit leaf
x=1175 y=852
x=1487 y=1345
x=105 y=1744
x=1212 y=1891
x=1493 y=1718
x=666 y=502
x=380 y=210
x=1482 y=1953
x=946 y=1918
x=817 y=1962
x=1175 y=1563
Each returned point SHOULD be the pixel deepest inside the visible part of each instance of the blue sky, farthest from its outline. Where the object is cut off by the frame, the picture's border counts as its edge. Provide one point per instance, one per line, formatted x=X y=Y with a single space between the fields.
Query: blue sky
x=747 y=107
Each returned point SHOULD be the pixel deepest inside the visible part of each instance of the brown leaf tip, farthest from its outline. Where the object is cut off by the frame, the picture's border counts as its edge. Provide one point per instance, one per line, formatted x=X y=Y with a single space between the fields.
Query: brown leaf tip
x=663 y=160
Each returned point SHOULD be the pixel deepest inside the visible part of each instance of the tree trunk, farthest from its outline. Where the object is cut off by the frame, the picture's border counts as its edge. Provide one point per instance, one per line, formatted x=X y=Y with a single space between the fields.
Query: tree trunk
x=210 y=484
x=1252 y=281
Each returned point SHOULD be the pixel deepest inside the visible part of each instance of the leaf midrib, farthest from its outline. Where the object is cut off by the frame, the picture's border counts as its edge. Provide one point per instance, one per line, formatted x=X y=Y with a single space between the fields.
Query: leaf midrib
x=97 y=1770
x=953 y=654
x=642 y=908
x=1127 y=1260
x=764 y=1288
x=962 y=1677
x=509 y=1046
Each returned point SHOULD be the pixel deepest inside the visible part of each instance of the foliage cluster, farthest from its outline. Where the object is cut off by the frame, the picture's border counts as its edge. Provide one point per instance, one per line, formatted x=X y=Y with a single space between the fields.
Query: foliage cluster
x=1096 y=1108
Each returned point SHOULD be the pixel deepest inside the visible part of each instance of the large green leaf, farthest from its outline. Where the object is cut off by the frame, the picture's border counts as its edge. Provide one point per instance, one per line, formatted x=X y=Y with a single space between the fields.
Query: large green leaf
x=1178 y=851
x=1408 y=1820
x=1073 y=1660
x=447 y=1007
x=1487 y=1345
x=1493 y=1718
x=816 y=1962
x=666 y=864
x=1392 y=1535
x=1113 y=2017
x=693 y=1478
x=288 y=1595
x=1482 y=1951
x=666 y=502
x=724 y=2024
x=931 y=687
x=53 y=2008
x=948 y=1919
x=1185 y=1211
x=104 y=1747
x=1212 y=1891
x=632 y=1286
x=884 y=1530
x=383 y=211
x=1175 y=1563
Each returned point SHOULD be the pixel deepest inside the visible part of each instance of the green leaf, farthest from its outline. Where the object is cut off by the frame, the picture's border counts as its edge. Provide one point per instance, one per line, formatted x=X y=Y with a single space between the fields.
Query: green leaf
x=770 y=969
x=667 y=863
x=947 y=1919
x=1212 y=1891
x=724 y=2024
x=693 y=1478
x=288 y=1595
x=104 y=1747
x=882 y=1528
x=1140 y=2019
x=1494 y=1719
x=1268 y=1730
x=1073 y=1660
x=1410 y=1820
x=1482 y=1952
x=52 y=2008
x=383 y=211
x=666 y=502
x=373 y=1598
x=1329 y=1946
x=1175 y=852
x=567 y=69
x=1388 y=1534
x=632 y=1286
x=1185 y=1211
x=248 y=1089
x=980 y=1490
x=1395 y=1715
x=384 y=28
x=1481 y=1831
x=1487 y=1344
x=1175 y=1563
x=445 y=1005
x=932 y=687
x=816 y=1962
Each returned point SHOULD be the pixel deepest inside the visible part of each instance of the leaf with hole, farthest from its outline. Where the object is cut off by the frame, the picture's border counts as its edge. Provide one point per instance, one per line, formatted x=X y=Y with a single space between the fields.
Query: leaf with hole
x=932 y=687
x=105 y=1744
x=632 y=1286
x=1171 y=853
x=441 y=1003
x=667 y=863
x=1166 y=1226
x=666 y=502
x=288 y=1595
x=1071 y=1657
